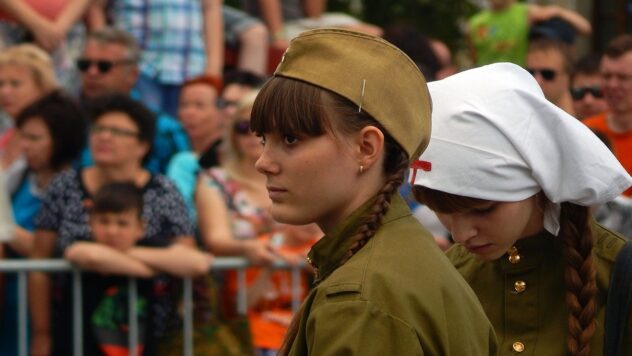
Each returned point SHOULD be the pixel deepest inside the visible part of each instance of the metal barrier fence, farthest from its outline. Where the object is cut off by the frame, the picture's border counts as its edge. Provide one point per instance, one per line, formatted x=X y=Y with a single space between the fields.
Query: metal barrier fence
x=22 y=267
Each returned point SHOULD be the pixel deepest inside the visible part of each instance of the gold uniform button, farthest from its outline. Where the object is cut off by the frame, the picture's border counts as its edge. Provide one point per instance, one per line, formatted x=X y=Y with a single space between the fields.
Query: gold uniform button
x=518 y=346
x=514 y=256
x=520 y=286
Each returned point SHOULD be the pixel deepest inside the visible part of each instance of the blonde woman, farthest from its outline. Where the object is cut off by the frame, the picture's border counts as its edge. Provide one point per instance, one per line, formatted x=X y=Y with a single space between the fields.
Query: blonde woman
x=235 y=220
x=235 y=192
x=26 y=74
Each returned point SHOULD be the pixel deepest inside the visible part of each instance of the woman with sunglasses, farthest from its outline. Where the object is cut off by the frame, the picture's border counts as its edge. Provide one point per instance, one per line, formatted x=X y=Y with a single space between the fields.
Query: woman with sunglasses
x=237 y=190
x=340 y=125
x=235 y=220
x=514 y=178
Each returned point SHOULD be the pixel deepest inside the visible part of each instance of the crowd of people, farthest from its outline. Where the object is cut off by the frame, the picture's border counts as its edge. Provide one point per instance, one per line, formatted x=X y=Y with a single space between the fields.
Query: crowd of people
x=144 y=139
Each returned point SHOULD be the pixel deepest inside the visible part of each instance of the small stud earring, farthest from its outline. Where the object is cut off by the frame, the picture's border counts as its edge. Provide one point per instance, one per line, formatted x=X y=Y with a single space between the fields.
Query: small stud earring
x=361 y=169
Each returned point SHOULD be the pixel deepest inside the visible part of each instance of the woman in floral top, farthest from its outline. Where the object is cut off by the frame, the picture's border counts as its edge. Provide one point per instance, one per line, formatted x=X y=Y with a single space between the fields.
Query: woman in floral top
x=234 y=219
x=232 y=199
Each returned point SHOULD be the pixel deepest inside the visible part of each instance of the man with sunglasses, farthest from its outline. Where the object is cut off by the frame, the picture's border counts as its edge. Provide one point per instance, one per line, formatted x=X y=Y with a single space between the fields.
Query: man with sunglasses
x=110 y=64
x=616 y=80
x=550 y=61
x=586 y=89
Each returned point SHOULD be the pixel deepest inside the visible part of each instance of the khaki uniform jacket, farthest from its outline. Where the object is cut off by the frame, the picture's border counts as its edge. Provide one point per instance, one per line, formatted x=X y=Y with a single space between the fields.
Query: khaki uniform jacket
x=525 y=300
x=398 y=295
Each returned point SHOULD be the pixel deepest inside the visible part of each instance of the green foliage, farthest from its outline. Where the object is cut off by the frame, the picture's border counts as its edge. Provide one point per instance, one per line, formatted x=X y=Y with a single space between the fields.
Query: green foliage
x=436 y=18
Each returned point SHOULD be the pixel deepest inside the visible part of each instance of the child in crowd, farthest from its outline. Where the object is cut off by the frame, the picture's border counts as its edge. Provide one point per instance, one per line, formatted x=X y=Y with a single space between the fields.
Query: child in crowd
x=119 y=252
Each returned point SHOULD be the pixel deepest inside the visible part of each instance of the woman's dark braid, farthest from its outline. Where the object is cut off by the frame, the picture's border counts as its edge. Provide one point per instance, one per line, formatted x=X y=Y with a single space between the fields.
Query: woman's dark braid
x=382 y=202
x=581 y=286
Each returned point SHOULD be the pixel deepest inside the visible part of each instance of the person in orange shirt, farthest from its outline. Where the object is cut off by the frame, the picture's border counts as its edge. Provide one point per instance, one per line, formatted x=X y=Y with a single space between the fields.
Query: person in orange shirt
x=616 y=124
x=270 y=293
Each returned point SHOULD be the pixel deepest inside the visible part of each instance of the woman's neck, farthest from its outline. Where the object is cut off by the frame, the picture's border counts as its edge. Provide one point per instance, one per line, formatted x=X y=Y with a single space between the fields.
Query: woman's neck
x=99 y=175
x=44 y=176
x=246 y=168
x=251 y=181
x=11 y=151
x=202 y=143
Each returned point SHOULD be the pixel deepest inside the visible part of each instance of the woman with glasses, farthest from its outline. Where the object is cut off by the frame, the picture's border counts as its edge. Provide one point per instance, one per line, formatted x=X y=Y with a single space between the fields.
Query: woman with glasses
x=238 y=191
x=513 y=179
x=26 y=74
x=121 y=134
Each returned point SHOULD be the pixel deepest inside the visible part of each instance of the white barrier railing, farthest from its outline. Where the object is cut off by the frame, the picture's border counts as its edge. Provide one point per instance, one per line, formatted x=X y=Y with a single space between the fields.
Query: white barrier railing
x=22 y=267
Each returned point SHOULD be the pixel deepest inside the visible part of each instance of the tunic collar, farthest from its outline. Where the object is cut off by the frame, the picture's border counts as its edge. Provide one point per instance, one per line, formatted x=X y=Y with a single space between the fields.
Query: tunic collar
x=326 y=255
x=532 y=251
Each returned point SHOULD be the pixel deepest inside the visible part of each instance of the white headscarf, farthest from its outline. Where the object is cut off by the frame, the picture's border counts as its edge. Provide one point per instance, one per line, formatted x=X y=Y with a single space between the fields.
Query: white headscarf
x=495 y=137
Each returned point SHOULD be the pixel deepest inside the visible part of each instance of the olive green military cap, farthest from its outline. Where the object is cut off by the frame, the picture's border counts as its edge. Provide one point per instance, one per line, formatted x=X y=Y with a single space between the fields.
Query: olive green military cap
x=370 y=72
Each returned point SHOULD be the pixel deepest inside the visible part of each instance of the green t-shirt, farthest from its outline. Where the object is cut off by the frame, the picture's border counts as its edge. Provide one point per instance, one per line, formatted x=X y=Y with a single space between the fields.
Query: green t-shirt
x=500 y=36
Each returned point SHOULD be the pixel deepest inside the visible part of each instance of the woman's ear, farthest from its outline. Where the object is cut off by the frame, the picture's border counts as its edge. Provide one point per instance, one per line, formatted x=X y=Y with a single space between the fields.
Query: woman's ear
x=370 y=146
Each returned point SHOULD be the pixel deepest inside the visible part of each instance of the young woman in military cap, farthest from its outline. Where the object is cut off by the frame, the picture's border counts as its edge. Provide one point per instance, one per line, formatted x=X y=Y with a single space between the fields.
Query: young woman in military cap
x=513 y=178
x=339 y=122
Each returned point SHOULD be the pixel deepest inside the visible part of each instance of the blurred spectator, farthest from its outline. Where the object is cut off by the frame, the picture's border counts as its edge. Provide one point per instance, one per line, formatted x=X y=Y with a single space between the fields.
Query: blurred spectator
x=51 y=135
x=431 y=222
x=121 y=135
x=417 y=46
x=236 y=84
x=235 y=192
x=26 y=74
x=251 y=37
x=616 y=124
x=616 y=214
x=444 y=55
x=550 y=62
x=109 y=64
x=234 y=220
x=202 y=122
x=119 y=251
x=287 y=18
x=586 y=88
x=55 y=25
x=179 y=39
x=269 y=298
x=203 y=116
x=432 y=56
x=500 y=33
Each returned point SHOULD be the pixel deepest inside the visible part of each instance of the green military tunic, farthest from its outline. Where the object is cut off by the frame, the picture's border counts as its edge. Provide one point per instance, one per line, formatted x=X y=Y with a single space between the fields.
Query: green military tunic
x=523 y=293
x=398 y=295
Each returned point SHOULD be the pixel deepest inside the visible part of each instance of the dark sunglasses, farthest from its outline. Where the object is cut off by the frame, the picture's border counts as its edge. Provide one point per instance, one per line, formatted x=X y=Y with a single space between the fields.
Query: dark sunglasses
x=222 y=103
x=242 y=127
x=578 y=93
x=547 y=74
x=102 y=65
